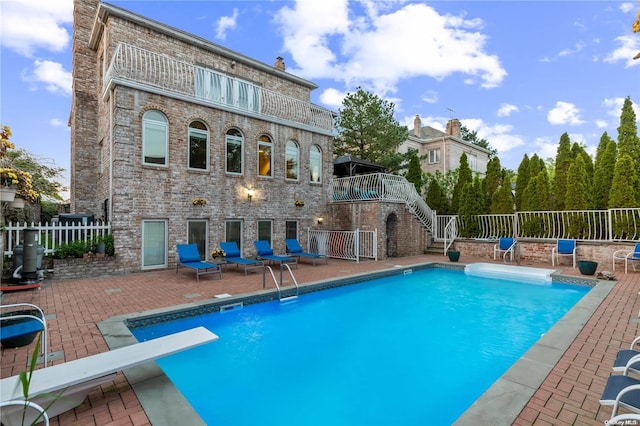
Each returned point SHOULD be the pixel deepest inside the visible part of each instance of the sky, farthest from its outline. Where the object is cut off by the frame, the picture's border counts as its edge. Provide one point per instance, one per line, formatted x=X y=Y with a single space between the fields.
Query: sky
x=520 y=73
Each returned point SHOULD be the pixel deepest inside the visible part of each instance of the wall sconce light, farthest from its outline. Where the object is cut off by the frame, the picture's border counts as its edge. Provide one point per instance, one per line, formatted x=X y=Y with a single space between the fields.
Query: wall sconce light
x=320 y=220
x=250 y=193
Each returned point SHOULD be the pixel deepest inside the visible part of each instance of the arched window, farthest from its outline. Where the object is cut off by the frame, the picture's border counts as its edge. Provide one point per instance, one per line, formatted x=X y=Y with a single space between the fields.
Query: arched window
x=198 y=146
x=265 y=156
x=234 y=145
x=315 y=164
x=155 y=138
x=292 y=160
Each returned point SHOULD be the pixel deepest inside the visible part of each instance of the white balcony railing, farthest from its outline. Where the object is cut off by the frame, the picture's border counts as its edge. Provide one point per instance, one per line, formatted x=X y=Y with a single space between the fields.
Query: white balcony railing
x=171 y=76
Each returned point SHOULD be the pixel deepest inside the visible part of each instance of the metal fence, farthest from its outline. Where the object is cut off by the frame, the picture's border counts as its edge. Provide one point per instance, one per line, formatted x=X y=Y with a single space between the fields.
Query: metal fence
x=52 y=235
x=583 y=225
x=350 y=245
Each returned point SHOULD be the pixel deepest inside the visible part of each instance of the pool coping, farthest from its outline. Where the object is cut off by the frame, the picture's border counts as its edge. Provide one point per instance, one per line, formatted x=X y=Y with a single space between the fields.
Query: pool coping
x=500 y=404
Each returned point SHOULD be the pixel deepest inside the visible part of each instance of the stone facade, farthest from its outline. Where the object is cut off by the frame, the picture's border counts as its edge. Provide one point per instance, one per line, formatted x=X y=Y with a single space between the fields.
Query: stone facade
x=109 y=179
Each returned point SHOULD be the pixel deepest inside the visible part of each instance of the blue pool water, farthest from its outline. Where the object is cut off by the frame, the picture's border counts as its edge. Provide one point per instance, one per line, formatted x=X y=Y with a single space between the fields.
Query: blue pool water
x=410 y=349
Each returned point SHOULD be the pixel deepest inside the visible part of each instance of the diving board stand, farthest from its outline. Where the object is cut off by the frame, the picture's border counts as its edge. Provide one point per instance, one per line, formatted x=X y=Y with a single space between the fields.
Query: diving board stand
x=69 y=383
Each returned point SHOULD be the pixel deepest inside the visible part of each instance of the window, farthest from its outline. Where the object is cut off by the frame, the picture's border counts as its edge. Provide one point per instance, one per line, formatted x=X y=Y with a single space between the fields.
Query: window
x=154 y=244
x=292 y=164
x=220 y=88
x=264 y=230
x=265 y=156
x=315 y=164
x=291 y=229
x=198 y=146
x=234 y=142
x=473 y=161
x=197 y=234
x=434 y=156
x=155 y=140
x=233 y=232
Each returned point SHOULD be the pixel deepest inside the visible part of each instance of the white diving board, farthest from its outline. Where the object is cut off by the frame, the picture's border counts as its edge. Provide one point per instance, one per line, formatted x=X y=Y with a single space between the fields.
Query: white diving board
x=69 y=383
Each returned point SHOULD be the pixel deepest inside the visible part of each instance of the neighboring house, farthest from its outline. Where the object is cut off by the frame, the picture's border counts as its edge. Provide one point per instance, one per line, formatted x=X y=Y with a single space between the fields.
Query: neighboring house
x=442 y=150
x=161 y=118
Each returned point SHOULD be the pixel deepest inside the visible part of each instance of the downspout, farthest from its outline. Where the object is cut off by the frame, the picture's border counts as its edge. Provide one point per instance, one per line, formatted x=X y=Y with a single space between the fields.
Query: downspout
x=444 y=156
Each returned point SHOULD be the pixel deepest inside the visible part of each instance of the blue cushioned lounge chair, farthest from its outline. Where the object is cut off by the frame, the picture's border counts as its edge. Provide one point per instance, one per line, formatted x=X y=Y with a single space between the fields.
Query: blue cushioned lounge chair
x=627 y=257
x=295 y=249
x=189 y=257
x=622 y=390
x=265 y=252
x=232 y=255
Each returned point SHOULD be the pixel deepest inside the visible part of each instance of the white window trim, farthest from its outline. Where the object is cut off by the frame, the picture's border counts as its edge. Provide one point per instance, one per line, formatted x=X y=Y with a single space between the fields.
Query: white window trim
x=202 y=133
x=166 y=236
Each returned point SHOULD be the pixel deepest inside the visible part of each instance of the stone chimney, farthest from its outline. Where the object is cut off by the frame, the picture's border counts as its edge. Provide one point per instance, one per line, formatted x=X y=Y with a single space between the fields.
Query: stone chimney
x=453 y=127
x=279 y=65
x=417 y=124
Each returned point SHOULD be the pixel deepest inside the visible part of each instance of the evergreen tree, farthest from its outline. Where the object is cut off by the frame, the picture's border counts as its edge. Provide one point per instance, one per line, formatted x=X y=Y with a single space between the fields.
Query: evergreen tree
x=493 y=179
x=436 y=198
x=471 y=205
x=602 y=146
x=537 y=197
x=623 y=192
x=502 y=200
x=577 y=195
x=366 y=129
x=563 y=161
x=628 y=141
x=464 y=176
x=414 y=170
x=522 y=180
x=603 y=175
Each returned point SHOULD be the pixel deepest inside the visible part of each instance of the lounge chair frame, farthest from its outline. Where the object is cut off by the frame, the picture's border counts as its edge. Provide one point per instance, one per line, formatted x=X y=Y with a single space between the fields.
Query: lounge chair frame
x=265 y=252
x=626 y=256
x=294 y=249
x=189 y=257
x=233 y=255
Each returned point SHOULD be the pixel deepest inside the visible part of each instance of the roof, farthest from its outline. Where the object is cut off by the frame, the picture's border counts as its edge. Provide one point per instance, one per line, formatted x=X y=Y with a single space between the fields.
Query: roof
x=348 y=165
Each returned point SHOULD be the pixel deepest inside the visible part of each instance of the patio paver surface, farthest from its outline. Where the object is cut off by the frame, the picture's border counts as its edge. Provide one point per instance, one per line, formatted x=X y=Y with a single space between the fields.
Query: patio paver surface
x=568 y=396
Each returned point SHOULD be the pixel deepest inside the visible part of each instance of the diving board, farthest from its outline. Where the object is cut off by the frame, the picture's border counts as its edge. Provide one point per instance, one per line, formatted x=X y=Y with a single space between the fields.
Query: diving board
x=510 y=272
x=69 y=383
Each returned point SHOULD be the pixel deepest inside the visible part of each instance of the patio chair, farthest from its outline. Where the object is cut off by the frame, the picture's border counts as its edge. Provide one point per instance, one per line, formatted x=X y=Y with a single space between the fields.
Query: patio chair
x=505 y=246
x=189 y=257
x=64 y=386
x=20 y=323
x=295 y=249
x=265 y=252
x=621 y=390
x=624 y=357
x=626 y=256
x=565 y=248
x=232 y=255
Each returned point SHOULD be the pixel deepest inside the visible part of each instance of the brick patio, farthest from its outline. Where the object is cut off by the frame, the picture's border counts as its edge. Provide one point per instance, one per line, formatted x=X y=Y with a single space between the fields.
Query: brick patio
x=568 y=396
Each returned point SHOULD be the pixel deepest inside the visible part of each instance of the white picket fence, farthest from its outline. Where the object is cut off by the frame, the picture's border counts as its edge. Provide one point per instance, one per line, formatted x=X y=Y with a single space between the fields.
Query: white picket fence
x=350 y=245
x=52 y=235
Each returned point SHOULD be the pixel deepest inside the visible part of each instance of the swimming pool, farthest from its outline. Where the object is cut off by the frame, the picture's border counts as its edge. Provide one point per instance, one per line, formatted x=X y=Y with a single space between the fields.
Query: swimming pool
x=429 y=337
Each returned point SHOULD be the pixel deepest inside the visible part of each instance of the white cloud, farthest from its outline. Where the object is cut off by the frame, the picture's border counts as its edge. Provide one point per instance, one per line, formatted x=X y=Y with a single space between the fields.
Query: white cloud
x=601 y=124
x=377 y=50
x=629 y=46
x=544 y=147
x=52 y=75
x=431 y=97
x=499 y=136
x=332 y=98
x=564 y=113
x=226 y=23
x=505 y=110
x=28 y=25
x=614 y=109
x=577 y=48
x=56 y=122
x=627 y=7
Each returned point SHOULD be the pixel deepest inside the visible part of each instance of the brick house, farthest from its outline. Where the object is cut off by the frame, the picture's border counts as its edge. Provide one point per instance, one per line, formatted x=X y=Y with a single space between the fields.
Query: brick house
x=442 y=150
x=161 y=119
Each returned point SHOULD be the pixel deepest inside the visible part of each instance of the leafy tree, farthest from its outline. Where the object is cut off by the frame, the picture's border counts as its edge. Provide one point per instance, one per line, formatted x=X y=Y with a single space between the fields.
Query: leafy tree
x=522 y=180
x=563 y=161
x=446 y=182
x=502 y=200
x=366 y=129
x=414 y=172
x=465 y=176
x=472 y=137
x=436 y=198
x=493 y=179
x=43 y=175
x=623 y=192
x=603 y=174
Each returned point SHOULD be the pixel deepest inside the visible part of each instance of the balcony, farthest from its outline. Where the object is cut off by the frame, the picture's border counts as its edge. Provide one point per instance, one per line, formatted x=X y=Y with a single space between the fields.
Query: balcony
x=146 y=70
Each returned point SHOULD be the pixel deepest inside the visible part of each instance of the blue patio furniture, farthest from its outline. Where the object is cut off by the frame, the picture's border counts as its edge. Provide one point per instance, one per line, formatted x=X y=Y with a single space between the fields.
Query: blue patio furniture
x=233 y=255
x=189 y=257
x=265 y=252
x=565 y=248
x=621 y=391
x=505 y=246
x=20 y=324
x=627 y=257
x=295 y=249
